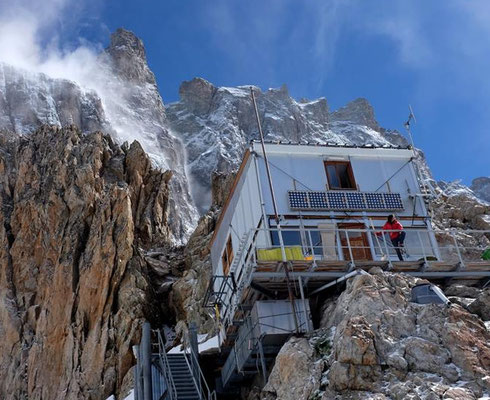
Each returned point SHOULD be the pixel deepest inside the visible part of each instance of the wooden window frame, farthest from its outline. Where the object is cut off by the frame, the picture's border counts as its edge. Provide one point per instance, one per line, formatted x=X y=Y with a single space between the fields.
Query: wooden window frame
x=227 y=256
x=350 y=173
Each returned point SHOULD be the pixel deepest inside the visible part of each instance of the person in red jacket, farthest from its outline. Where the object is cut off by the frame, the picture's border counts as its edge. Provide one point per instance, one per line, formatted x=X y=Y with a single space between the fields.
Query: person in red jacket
x=397 y=234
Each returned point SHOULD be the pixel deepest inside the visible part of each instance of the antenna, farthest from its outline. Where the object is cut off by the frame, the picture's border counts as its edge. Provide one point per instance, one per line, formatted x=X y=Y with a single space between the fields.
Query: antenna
x=266 y=161
x=407 y=127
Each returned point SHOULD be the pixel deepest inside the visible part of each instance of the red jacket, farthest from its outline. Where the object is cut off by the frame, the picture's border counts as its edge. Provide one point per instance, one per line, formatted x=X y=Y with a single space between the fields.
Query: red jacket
x=394 y=226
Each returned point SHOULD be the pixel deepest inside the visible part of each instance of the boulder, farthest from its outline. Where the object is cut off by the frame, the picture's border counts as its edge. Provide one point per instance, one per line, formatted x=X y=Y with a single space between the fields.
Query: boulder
x=481 y=305
x=296 y=373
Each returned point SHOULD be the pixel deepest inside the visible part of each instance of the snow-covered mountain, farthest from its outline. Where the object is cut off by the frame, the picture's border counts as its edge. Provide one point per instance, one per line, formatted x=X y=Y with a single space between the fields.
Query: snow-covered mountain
x=29 y=99
x=216 y=124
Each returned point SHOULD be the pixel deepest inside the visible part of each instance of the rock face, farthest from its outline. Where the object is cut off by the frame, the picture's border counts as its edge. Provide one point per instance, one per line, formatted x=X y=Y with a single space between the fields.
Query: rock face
x=188 y=292
x=76 y=210
x=481 y=187
x=217 y=123
x=459 y=212
x=135 y=110
x=378 y=345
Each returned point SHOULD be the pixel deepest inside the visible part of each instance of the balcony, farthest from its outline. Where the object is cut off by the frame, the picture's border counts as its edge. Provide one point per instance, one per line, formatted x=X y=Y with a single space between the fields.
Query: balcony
x=315 y=257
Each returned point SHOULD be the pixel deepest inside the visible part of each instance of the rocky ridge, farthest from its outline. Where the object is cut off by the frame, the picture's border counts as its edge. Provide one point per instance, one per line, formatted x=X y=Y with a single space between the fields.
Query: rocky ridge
x=77 y=213
x=481 y=187
x=29 y=100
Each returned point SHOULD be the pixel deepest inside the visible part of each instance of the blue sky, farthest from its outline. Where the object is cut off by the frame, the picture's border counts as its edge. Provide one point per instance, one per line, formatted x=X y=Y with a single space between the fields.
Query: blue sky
x=433 y=55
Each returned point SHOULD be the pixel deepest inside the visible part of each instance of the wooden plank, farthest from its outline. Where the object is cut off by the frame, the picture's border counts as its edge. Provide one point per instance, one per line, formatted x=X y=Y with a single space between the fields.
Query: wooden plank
x=442 y=266
x=477 y=266
x=403 y=266
x=364 y=264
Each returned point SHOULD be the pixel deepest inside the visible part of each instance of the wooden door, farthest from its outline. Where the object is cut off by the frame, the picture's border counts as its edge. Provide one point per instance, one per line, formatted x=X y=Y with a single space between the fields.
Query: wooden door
x=358 y=242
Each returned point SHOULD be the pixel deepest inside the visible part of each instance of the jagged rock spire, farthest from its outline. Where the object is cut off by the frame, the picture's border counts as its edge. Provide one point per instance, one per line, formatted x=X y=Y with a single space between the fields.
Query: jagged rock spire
x=128 y=56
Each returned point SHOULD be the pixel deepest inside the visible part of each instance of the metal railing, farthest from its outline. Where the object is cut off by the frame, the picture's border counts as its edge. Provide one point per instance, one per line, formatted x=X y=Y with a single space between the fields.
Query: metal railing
x=153 y=373
x=421 y=245
x=165 y=369
x=198 y=378
x=152 y=377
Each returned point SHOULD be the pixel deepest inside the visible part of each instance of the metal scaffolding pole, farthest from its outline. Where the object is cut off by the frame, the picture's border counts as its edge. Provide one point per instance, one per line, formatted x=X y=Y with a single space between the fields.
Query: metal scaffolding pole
x=146 y=361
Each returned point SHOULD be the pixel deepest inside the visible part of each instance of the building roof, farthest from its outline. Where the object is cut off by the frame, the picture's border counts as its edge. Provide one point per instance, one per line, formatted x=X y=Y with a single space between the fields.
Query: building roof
x=330 y=144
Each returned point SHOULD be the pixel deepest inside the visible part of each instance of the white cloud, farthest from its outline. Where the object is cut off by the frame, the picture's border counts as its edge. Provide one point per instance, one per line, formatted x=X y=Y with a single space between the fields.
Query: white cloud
x=29 y=38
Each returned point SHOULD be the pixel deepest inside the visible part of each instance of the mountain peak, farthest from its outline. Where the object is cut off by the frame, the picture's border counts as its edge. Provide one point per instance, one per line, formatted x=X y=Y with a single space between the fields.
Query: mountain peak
x=128 y=56
x=358 y=111
x=197 y=94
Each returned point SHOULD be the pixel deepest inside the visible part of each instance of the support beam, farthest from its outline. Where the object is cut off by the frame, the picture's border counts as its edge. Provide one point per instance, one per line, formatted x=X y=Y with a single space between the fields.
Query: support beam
x=262 y=290
x=339 y=280
x=338 y=274
x=262 y=362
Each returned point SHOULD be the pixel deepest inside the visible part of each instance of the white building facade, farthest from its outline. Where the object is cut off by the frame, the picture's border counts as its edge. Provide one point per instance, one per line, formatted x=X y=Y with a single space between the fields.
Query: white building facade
x=324 y=195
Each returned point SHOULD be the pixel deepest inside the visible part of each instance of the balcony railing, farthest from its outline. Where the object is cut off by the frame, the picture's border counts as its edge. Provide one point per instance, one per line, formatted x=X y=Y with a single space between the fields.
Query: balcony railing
x=354 y=247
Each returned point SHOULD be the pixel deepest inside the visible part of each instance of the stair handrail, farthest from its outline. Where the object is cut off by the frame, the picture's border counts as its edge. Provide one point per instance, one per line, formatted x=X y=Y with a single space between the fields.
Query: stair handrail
x=167 y=373
x=189 y=352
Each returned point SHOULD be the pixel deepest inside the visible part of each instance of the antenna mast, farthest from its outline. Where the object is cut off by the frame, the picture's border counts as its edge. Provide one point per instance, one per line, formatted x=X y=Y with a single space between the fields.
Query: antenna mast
x=267 y=168
x=276 y=213
x=407 y=127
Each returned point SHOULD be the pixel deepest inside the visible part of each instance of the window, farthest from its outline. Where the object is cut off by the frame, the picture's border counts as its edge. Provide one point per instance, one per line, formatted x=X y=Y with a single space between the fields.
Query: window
x=293 y=238
x=227 y=257
x=339 y=175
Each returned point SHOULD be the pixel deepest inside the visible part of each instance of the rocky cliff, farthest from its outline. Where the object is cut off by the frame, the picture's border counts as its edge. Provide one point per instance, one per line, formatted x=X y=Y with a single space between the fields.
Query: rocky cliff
x=77 y=212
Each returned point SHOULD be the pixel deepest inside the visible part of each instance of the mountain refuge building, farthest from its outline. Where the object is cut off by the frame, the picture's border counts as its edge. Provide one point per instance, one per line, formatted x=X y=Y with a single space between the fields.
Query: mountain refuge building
x=308 y=222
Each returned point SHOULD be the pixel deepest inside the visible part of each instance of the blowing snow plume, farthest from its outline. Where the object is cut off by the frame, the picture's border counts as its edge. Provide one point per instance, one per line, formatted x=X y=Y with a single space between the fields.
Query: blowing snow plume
x=112 y=90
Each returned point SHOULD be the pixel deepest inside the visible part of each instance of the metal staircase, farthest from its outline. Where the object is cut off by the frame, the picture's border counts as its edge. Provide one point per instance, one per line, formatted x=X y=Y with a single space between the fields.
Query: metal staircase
x=162 y=376
x=182 y=377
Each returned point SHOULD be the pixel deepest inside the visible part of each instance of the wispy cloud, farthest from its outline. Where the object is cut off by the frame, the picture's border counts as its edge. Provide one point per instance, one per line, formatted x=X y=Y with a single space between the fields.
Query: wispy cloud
x=30 y=37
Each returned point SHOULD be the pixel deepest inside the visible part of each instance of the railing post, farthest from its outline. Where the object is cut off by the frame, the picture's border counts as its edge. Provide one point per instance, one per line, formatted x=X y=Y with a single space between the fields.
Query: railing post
x=194 y=347
x=138 y=395
x=340 y=250
x=461 y=263
x=422 y=248
x=146 y=361
x=312 y=249
x=353 y=264
x=387 y=252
